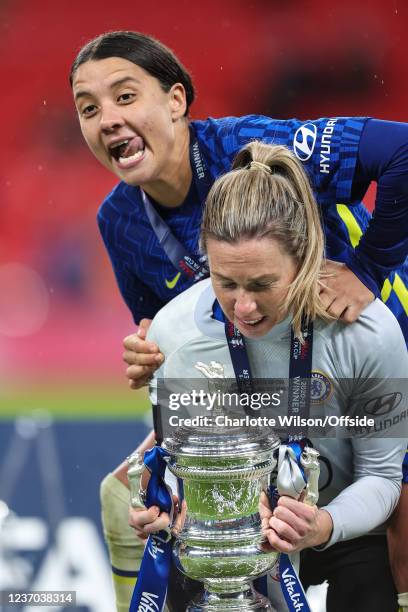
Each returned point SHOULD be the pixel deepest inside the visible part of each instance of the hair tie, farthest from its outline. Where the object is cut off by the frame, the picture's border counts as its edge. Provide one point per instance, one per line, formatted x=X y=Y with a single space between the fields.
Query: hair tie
x=256 y=164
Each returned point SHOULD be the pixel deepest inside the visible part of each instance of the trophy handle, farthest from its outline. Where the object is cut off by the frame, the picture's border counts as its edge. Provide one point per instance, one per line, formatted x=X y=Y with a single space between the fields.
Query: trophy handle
x=310 y=463
x=136 y=467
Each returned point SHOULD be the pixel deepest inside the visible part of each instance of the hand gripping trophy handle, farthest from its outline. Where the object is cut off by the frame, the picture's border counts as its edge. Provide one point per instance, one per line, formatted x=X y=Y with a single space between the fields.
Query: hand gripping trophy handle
x=310 y=463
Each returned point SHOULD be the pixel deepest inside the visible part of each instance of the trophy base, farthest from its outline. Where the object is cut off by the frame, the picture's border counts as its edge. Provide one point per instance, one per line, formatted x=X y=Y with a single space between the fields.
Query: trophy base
x=248 y=600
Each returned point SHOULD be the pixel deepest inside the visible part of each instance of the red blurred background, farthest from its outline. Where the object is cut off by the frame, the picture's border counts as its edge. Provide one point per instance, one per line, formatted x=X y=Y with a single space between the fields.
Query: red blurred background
x=61 y=316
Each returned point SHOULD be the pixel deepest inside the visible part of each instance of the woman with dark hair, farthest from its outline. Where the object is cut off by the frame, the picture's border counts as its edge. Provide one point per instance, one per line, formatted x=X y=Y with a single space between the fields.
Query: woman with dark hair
x=133 y=96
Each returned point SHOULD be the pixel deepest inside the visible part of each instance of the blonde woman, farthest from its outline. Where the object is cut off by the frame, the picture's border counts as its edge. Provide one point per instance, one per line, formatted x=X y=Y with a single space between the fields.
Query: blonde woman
x=262 y=235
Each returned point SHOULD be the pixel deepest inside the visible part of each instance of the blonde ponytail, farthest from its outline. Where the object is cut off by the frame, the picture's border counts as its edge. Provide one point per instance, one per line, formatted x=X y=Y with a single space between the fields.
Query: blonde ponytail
x=267 y=194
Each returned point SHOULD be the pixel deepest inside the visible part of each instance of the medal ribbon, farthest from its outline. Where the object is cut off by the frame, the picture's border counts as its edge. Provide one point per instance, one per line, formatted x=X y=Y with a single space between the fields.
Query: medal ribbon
x=192 y=266
x=300 y=367
x=291 y=477
x=151 y=586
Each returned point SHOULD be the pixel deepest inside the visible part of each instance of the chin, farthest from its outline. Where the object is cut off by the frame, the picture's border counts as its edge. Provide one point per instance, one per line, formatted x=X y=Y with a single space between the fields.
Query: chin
x=254 y=334
x=136 y=176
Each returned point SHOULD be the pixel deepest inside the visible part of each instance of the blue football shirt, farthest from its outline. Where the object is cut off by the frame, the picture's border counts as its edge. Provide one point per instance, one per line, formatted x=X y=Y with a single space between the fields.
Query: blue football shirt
x=328 y=148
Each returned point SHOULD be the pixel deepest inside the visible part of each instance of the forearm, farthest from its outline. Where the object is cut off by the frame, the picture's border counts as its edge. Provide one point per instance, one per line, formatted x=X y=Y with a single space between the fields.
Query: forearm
x=361 y=507
x=383 y=157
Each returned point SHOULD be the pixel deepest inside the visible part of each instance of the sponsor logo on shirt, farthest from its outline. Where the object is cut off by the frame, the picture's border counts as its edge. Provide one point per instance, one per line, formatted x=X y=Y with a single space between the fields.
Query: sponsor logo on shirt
x=304 y=141
x=384 y=404
x=170 y=284
x=325 y=147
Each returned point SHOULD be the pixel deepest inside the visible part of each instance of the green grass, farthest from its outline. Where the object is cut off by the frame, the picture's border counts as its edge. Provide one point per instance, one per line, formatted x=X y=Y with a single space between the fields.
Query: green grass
x=76 y=401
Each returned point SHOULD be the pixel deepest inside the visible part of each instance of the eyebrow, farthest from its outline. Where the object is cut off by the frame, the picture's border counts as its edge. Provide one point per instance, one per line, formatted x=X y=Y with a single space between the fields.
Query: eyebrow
x=83 y=93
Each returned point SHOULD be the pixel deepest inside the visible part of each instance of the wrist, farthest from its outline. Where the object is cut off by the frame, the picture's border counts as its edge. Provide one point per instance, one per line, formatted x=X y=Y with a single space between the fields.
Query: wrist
x=324 y=529
x=367 y=272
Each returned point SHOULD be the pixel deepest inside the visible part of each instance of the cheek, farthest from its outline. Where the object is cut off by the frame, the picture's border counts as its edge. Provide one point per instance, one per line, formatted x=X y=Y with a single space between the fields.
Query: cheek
x=281 y=296
x=99 y=153
x=158 y=121
x=88 y=137
x=97 y=150
x=279 y=300
x=271 y=302
x=228 y=303
x=155 y=133
x=148 y=127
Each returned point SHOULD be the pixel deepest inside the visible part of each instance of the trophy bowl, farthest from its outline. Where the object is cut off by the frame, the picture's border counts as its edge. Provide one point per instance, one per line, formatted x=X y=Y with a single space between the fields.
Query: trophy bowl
x=221 y=474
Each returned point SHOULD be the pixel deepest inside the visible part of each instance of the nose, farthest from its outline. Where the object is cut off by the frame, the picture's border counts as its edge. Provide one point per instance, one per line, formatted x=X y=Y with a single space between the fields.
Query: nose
x=245 y=305
x=110 y=119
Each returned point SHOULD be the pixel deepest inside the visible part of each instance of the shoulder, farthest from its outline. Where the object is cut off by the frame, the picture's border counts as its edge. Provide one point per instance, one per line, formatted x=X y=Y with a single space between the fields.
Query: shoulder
x=176 y=320
x=227 y=126
x=317 y=140
x=221 y=139
x=123 y=198
x=187 y=334
x=377 y=326
x=371 y=346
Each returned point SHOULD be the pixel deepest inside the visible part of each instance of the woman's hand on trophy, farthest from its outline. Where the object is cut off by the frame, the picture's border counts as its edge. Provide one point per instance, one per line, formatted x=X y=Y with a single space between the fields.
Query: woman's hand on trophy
x=343 y=295
x=150 y=520
x=142 y=357
x=293 y=525
x=180 y=513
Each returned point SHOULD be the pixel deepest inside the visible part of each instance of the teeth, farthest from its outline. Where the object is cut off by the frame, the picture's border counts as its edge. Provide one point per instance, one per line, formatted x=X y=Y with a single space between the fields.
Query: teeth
x=133 y=157
x=253 y=322
x=119 y=144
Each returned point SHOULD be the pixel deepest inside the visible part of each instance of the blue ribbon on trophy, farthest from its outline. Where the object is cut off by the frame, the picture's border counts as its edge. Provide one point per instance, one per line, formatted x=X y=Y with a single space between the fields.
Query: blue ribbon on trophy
x=298 y=473
x=151 y=586
x=291 y=481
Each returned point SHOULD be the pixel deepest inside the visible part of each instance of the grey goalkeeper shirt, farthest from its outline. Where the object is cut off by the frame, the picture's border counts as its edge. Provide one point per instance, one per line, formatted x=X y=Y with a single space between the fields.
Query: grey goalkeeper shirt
x=360 y=475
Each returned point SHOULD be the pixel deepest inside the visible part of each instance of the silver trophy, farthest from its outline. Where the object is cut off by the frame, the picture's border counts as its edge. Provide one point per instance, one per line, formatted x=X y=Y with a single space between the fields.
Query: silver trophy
x=221 y=474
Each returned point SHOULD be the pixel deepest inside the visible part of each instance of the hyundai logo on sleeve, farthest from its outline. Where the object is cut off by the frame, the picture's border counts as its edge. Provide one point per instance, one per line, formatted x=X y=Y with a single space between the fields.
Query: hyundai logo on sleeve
x=304 y=141
x=384 y=404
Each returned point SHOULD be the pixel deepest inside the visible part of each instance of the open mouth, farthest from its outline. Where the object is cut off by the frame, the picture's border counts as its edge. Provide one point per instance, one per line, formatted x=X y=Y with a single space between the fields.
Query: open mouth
x=128 y=150
x=251 y=322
